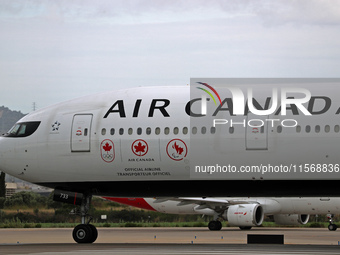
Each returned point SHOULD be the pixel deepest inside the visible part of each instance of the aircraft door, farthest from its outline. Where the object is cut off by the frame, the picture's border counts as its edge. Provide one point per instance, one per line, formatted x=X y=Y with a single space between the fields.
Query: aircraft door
x=81 y=132
x=256 y=132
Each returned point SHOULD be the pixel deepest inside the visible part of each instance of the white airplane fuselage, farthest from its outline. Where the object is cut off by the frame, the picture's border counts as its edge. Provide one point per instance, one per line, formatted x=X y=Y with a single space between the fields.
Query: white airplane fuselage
x=138 y=142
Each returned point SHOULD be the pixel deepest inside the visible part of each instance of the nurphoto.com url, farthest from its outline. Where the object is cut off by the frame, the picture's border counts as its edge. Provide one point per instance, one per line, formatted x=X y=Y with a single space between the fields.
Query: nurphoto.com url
x=269 y=168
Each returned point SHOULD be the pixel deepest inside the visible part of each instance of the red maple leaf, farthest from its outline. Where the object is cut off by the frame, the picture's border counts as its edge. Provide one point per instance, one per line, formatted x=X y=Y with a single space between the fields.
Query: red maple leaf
x=139 y=147
x=107 y=147
x=178 y=149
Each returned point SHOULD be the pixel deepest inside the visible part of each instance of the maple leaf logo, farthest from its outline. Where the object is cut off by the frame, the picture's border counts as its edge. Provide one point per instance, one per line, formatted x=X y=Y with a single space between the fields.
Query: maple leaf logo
x=178 y=149
x=107 y=150
x=139 y=148
x=107 y=147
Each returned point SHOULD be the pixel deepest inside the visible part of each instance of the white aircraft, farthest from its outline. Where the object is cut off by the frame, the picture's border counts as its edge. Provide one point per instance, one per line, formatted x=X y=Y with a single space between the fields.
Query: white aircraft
x=254 y=138
x=242 y=212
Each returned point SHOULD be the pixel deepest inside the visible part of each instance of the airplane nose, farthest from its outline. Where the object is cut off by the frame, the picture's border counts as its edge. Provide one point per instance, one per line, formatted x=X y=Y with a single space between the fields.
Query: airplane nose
x=1 y=155
x=5 y=155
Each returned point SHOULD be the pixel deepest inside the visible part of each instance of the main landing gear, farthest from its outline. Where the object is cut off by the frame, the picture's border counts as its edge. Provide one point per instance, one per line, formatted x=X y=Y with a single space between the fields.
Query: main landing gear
x=85 y=232
x=331 y=226
x=215 y=225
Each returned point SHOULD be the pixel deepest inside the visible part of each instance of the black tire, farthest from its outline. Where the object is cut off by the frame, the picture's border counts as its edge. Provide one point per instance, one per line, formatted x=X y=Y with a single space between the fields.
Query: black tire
x=94 y=233
x=82 y=233
x=215 y=225
x=245 y=228
x=219 y=225
x=332 y=227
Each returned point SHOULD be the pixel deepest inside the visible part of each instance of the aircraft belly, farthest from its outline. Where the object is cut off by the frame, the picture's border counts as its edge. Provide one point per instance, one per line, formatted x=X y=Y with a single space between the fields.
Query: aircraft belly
x=199 y=188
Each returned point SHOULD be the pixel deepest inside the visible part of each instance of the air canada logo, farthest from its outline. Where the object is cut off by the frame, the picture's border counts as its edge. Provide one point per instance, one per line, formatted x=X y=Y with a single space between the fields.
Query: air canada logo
x=177 y=149
x=140 y=147
x=107 y=150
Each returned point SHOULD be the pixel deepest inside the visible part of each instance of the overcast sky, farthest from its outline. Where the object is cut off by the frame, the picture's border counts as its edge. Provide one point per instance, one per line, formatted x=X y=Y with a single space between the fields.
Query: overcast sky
x=52 y=51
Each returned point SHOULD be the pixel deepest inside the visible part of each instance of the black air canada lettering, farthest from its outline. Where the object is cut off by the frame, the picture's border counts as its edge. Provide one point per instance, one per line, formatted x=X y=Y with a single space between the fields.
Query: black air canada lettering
x=157 y=106
x=161 y=108
x=120 y=110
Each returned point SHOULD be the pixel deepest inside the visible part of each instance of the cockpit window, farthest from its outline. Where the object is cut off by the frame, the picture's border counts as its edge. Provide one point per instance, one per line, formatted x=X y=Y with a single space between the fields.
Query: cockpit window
x=23 y=129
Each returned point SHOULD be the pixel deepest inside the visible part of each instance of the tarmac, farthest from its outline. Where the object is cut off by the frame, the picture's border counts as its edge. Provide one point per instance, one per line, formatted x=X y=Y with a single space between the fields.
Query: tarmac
x=54 y=241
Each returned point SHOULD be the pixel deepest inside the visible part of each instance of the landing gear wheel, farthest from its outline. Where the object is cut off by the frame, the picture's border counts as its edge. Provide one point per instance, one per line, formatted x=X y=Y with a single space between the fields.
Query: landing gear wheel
x=83 y=234
x=245 y=228
x=332 y=227
x=94 y=233
x=215 y=225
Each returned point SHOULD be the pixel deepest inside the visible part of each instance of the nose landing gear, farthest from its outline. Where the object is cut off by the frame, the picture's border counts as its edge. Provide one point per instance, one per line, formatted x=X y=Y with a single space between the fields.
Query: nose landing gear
x=85 y=232
x=331 y=226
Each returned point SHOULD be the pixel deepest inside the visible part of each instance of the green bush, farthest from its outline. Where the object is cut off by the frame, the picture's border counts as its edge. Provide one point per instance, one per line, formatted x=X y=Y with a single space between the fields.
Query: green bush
x=316 y=225
x=130 y=225
x=2 y=202
x=199 y=224
x=27 y=225
x=25 y=198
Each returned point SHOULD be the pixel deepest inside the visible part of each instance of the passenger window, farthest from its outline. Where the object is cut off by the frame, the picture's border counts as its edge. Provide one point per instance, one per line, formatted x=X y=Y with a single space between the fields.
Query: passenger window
x=231 y=130
x=327 y=128
x=103 y=131
x=336 y=128
x=112 y=131
x=298 y=129
x=194 y=130
x=139 y=131
x=307 y=129
x=166 y=131
x=317 y=129
x=176 y=130
x=148 y=131
x=121 y=131
x=212 y=130
x=157 y=131
x=279 y=129
x=203 y=130
x=130 y=131
x=185 y=130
